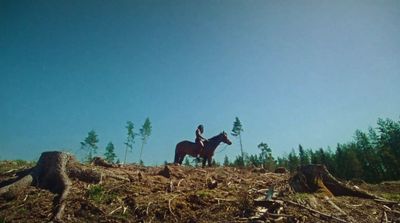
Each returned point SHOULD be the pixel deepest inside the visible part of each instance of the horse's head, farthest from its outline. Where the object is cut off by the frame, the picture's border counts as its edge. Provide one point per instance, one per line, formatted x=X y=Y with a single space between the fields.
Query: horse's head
x=224 y=138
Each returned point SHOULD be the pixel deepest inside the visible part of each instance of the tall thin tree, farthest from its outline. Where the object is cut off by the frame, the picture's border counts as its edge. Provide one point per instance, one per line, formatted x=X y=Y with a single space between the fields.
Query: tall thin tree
x=130 y=139
x=237 y=130
x=145 y=133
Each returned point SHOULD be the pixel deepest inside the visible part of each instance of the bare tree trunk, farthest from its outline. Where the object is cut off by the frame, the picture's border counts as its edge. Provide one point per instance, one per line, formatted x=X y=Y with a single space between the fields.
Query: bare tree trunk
x=241 y=148
x=126 y=151
x=141 y=151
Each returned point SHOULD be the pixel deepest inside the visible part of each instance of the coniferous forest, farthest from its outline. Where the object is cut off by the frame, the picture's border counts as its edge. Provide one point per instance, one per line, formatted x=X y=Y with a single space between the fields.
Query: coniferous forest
x=372 y=156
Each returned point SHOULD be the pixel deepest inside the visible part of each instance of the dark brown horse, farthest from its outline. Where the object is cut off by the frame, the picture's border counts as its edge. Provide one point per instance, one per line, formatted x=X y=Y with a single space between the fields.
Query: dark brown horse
x=189 y=148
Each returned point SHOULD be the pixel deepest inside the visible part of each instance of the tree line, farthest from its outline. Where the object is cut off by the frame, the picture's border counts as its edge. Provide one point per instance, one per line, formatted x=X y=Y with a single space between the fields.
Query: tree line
x=89 y=145
x=372 y=156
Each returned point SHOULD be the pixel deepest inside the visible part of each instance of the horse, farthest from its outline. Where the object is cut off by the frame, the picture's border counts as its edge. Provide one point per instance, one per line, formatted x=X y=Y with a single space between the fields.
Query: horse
x=189 y=148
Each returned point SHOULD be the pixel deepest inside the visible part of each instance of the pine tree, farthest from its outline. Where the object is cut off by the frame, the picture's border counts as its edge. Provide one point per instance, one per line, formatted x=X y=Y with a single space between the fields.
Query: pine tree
x=89 y=144
x=237 y=132
x=389 y=147
x=130 y=139
x=255 y=160
x=369 y=157
x=145 y=133
x=266 y=158
x=283 y=161
x=226 y=161
x=215 y=163
x=304 y=158
x=293 y=161
x=110 y=154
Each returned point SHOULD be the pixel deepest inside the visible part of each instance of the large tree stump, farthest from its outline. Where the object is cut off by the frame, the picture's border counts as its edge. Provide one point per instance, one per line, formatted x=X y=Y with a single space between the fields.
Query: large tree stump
x=316 y=178
x=52 y=172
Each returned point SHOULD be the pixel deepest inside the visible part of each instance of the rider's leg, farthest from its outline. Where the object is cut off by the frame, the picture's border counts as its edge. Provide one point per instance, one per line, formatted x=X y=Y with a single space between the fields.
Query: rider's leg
x=200 y=144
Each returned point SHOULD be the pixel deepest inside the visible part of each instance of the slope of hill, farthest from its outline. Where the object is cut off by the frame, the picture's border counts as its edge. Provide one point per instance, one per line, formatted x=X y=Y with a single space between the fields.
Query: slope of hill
x=186 y=194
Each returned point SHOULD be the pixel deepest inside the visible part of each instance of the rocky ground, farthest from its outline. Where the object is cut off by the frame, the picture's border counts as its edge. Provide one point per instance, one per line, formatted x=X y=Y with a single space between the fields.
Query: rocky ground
x=173 y=193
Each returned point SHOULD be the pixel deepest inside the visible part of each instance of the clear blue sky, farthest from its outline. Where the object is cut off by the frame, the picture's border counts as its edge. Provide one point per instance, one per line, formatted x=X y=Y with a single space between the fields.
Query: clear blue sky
x=294 y=72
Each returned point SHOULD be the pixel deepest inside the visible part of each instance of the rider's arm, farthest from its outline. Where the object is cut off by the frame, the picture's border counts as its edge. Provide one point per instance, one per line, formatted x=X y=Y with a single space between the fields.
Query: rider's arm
x=198 y=135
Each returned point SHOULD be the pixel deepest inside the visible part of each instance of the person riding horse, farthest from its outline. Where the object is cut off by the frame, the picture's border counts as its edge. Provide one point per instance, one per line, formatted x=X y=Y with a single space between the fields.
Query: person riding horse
x=186 y=147
x=199 y=138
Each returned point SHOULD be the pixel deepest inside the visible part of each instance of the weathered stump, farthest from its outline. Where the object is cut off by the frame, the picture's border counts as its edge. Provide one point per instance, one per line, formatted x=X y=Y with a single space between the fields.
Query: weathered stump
x=316 y=178
x=52 y=172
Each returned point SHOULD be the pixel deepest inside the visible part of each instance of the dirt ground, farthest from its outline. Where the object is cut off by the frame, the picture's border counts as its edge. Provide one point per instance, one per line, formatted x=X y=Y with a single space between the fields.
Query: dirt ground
x=186 y=194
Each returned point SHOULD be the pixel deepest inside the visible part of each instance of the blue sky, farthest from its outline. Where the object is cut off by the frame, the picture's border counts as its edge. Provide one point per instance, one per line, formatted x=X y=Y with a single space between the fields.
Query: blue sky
x=294 y=72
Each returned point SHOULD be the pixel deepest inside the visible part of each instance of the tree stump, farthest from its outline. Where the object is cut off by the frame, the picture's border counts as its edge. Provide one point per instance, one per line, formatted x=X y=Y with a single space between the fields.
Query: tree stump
x=52 y=172
x=317 y=179
x=98 y=161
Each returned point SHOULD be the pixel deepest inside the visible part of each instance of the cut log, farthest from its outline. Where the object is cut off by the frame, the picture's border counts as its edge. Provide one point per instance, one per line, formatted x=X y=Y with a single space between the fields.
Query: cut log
x=316 y=178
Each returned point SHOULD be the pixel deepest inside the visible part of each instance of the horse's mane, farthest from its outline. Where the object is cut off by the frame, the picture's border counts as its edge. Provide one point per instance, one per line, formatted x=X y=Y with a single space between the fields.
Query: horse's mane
x=215 y=137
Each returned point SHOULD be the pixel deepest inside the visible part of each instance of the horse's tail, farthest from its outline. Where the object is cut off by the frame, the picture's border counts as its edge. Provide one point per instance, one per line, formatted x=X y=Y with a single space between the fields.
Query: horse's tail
x=176 y=160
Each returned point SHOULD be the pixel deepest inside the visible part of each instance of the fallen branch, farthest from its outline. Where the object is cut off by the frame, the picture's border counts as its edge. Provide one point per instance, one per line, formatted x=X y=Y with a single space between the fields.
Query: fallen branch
x=317 y=212
x=179 y=183
x=171 y=186
x=384 y=217
x=279 y=215
x=113 y=211
x=223 y=199
x=386 y=201
x=335 y=206
x=148 y=206
x=169 y=205
x=110 y=175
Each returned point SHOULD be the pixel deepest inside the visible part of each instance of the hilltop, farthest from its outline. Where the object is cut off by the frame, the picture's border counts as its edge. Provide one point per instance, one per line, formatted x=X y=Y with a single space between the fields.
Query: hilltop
x=171 y=193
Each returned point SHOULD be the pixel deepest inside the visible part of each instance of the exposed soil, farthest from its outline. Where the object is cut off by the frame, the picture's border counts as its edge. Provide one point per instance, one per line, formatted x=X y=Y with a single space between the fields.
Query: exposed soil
x=186 y=194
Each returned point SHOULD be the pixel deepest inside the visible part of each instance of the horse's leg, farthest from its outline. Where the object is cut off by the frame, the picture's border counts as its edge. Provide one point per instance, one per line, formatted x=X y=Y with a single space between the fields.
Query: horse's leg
x=209 y=160
x=176 y=159
x=204 y=161
x=181 y=158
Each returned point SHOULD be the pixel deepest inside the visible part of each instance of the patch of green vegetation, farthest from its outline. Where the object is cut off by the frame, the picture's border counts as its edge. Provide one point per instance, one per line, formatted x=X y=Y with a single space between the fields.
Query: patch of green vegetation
x=301 y=196
x=22 y=211
x=7 y=165
x=98 y=194
x=95 y=193
x=203 y=193
x=2 y=220
x=391 y=197
x=21 y=162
